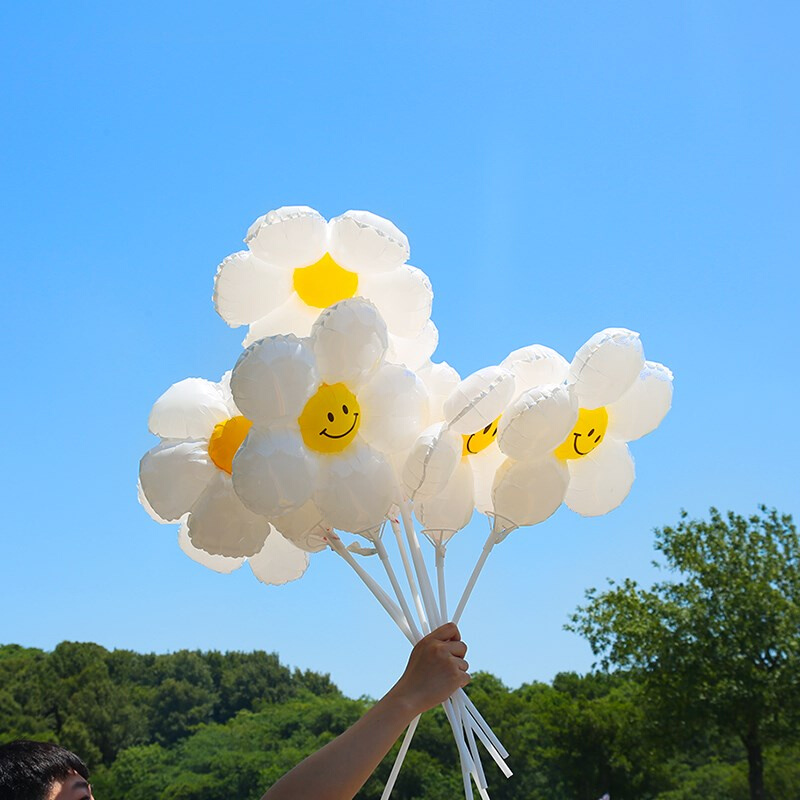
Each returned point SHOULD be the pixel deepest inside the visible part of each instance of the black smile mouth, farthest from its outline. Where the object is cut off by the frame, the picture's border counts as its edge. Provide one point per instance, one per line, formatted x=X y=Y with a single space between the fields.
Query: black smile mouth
x=469 y=449
x=575 y=446
x=324 y=431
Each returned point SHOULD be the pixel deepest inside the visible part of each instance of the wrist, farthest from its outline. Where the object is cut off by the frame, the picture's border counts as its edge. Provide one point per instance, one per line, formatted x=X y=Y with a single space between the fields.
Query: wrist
x=403 y=701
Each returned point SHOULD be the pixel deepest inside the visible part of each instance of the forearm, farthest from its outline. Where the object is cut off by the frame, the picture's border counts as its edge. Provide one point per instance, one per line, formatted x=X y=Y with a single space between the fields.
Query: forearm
x=341 y=768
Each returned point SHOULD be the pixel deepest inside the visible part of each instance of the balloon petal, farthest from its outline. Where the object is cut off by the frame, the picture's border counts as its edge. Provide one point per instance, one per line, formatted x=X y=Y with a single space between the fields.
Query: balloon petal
x=356 y=489
x=364 y=242
x=431 y=461
x=641 y=409
x=440 y=380
x=416 y=351
x=484 y=469
x=451 y=509
x=403 y=296
x=143 y=502
x=349 y=341
x=305 y=527
x=220 y=564
x=221 y=525
x=293 y=316
x=278 y=561
x=289 y=237
x=189 y=409
x=528 y=492
x=600 y=481
x=247 y=289
x=173 y=475
x=273 y=472
x=604 y=368
x=536 y=365
x=394 y=404
x=537 y=422
x=274 y=378
x=479 y=399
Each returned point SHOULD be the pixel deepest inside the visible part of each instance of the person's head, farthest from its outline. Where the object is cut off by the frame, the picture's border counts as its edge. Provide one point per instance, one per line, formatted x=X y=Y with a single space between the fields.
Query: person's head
x=42 y=771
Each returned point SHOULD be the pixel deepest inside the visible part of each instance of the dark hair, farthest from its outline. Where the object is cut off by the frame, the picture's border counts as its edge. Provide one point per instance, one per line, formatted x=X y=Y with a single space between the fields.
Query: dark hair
x=29 y=769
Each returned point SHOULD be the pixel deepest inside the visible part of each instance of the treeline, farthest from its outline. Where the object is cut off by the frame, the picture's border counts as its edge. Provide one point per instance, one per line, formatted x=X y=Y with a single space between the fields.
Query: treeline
x=208 y=726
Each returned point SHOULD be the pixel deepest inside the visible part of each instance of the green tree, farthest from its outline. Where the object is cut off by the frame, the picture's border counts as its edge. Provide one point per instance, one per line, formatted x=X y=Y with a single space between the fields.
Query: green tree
x=718 y=646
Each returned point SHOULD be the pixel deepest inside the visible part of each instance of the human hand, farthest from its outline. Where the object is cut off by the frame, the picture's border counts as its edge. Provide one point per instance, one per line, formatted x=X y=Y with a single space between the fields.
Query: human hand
x=436 y=669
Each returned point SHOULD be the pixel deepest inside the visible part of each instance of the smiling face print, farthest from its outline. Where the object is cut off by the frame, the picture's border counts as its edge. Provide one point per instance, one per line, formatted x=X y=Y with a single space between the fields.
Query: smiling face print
x=330 y=419
x=480 y=440
x=587 y=434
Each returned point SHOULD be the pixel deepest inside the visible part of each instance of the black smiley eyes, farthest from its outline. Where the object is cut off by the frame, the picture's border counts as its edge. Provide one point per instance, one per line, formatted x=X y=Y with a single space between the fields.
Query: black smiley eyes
x=330 y=414
x=597 y=438
x=486 y=429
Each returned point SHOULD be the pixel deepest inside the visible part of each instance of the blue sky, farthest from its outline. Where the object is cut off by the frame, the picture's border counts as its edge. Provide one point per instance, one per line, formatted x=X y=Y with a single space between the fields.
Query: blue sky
x=558 y=168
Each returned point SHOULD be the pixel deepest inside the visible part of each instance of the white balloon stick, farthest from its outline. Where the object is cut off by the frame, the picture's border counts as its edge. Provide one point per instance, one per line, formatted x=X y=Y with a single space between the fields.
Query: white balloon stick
x=392 y=609
x=456 y=722
x=440 y=553
x=401 y=757
x=410 y=575
x=423 y=578
x=491 y=541
x=401 y=598
x=483 y=725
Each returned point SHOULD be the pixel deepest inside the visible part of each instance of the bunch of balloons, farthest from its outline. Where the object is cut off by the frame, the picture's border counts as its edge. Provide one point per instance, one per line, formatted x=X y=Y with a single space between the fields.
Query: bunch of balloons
x=335 y=420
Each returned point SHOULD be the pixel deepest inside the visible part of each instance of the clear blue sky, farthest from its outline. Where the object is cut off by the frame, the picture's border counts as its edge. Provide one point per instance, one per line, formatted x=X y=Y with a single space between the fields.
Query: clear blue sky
x=558 y=168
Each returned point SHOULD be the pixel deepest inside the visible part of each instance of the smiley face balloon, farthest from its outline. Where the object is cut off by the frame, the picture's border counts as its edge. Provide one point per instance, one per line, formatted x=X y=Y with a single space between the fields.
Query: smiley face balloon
x=331 y=419
x=327 y=414
x=610 y=396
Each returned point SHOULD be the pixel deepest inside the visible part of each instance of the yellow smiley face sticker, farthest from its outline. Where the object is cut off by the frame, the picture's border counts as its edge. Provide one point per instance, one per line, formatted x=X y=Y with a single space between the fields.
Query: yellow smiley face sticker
x=588 y=432
x=479 y=440
x=330 y=419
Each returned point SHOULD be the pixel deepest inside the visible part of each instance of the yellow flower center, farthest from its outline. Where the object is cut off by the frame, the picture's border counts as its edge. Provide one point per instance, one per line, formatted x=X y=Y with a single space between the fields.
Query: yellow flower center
x=324 y=283
x=588 y=432
x=226 y=439
x=331 y=419
x=480 y=440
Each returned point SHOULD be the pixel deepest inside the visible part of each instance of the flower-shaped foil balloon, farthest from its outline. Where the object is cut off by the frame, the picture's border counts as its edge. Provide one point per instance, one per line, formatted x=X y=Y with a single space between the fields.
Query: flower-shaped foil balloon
x=451 y=466
x=327 y=412
x=298 y=264
x=187 y=479
x=568 y=440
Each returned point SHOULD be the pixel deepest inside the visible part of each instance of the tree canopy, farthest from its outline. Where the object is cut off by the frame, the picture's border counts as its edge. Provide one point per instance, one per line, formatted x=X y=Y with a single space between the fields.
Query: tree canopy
x=718 y=645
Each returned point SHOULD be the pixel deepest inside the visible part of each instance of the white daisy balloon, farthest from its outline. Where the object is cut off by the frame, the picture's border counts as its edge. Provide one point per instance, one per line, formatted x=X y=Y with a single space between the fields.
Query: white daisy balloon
x=327 y=411
x=571 y=437
x=297 y=264
x=451 y=466
x=186 y=478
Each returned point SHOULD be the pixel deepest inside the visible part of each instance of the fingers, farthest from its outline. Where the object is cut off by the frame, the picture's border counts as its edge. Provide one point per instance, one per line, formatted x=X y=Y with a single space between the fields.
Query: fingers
x=461 y=664
x=458 y=649
x=446 y=632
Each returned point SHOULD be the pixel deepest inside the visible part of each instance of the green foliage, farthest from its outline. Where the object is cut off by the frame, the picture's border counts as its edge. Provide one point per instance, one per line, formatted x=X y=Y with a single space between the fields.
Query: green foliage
x=699 y=656
x=718 y=647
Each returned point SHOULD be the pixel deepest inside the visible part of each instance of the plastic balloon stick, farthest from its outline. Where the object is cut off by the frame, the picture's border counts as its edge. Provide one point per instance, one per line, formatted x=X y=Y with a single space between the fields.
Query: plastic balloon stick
x=490 y=748
x=456 y=723
x=493 y=538
x=480 y=777
x=409 y=574
x=484 y=727
x=423 y=578
x=440 y=552
x=401 y=755
x=390 y=607
x=401 y=598
x=394 y=611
